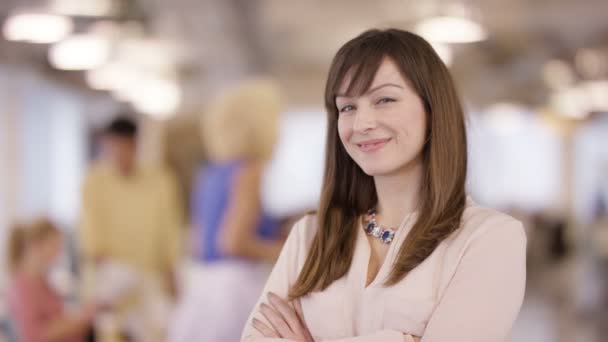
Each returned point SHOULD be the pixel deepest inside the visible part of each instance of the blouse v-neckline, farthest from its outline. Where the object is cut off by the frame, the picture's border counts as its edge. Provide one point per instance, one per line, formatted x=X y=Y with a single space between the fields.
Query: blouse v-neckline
x=364 y=250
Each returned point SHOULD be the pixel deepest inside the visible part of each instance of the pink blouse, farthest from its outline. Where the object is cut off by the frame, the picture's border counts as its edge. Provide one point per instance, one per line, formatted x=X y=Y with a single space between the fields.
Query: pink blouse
x=33 y=305
x=469 y=289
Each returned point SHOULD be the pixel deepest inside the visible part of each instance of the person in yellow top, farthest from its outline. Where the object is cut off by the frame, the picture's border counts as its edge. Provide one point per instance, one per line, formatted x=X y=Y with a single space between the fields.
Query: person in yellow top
x=131 y=217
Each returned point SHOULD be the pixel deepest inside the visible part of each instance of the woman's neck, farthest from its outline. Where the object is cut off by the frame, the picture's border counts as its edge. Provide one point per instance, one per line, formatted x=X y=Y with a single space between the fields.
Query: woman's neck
x=398 y=194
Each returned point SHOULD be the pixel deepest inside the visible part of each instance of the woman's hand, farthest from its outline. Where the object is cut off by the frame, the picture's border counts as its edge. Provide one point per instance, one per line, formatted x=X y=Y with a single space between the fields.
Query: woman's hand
x=284 y=321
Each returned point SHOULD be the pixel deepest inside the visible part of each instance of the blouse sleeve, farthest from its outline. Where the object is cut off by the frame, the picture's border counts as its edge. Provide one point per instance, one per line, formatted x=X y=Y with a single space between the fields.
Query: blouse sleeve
x=485 y=294
x=283 y=274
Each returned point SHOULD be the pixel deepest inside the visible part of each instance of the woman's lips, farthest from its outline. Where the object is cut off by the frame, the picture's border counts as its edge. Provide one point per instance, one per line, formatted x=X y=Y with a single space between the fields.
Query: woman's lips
x=372 y=145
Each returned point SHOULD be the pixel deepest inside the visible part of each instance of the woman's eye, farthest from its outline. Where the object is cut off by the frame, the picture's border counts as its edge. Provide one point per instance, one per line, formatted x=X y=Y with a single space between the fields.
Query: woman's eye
x=346 y=108
x=385 y=100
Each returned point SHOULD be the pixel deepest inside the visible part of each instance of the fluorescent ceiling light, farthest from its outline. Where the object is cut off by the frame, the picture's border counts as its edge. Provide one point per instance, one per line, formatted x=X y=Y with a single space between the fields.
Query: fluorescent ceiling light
x=80 y=52
x=37 y=28
x=159 y=98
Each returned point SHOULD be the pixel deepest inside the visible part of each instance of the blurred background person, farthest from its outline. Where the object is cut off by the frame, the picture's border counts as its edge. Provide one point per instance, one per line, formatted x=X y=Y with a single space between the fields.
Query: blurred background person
x=36 y=309
x=236 y=241
x=131 y=218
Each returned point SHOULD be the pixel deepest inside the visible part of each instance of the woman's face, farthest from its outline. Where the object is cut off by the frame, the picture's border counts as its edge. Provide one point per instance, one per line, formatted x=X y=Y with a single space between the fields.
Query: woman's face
x=48 y=249
x=382 y=130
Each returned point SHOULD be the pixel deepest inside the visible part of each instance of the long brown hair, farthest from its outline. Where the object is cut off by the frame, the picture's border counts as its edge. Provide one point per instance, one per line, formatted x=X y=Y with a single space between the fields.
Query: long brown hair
x=348 y=192
x=22 y=234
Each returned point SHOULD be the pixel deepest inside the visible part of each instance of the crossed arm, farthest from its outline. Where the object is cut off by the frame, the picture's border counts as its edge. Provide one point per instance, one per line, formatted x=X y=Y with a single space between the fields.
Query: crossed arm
x=480 y=303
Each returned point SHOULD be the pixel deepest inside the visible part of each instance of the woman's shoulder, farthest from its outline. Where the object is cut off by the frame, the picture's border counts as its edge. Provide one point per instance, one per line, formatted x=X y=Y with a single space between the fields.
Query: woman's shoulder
x=479 y=221
x=295 y=250
x=305 y=228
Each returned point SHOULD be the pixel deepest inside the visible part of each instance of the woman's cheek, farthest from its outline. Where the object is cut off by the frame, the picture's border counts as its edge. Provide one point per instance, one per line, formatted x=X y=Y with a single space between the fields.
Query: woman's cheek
x=343 y=131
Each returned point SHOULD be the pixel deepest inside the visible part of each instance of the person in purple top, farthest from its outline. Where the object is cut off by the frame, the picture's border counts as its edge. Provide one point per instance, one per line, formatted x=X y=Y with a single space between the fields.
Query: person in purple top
x=235 y=241
x=213 y=193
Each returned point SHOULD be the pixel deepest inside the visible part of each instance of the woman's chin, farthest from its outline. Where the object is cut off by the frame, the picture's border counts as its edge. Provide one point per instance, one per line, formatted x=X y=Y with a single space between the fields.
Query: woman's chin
x=375 y=170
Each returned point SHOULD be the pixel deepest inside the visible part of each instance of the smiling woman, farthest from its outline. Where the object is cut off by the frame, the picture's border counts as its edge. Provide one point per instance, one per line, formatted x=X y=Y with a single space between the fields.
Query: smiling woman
x=384 y=128
x=396 y=250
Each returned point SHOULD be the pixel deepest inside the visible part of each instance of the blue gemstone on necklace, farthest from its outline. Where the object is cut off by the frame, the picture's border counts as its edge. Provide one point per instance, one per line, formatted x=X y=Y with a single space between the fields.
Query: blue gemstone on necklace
x=370 y=227
x=387 y=236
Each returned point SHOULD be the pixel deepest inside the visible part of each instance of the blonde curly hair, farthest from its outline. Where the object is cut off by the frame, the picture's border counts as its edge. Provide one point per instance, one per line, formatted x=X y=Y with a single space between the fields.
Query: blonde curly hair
x=243 y=122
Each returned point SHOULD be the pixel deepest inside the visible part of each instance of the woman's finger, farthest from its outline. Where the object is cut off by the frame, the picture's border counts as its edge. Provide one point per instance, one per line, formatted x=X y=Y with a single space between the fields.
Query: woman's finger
x=288 y=313
x=298 y=310
x=276 y=320
x=264 y=329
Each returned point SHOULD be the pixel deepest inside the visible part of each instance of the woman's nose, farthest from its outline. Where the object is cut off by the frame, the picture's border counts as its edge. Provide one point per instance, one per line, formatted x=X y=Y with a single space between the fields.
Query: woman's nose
x=365 y=120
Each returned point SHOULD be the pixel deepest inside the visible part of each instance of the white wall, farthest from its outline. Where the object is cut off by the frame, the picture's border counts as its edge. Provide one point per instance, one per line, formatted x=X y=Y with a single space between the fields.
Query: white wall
x=292 y=182
x=515 y=161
